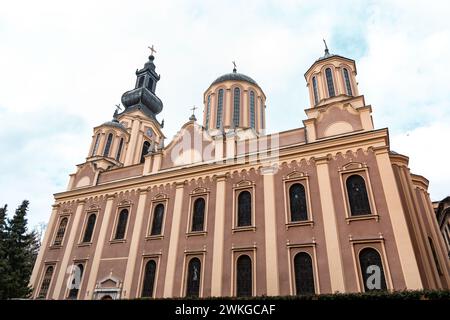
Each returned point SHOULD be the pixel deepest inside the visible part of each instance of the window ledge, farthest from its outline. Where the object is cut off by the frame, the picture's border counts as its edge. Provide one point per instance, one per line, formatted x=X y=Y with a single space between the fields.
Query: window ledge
x=299 y=224
x=242 y=229
x=55 y=247
x=117 y=241
x=195 y=233
x=156 y=237
x=85 y=244
x=363 y=217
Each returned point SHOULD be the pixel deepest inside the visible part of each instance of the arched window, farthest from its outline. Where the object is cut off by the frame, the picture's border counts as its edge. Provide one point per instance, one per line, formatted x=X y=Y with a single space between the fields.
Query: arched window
x=150 y=84
x=45 y=285
x=76 y=282
x=198 y=217
x=262 y=113
x=244 y=276
x=252 y=109
x=121 y=224
x=145 y=149
x=347 y=82
x=89 y=228
x=97 y=141
x=372 y=270
x=193 y=278
x=297 y=198
x=435 y=257
x=108 y=145
x=244 y=209
x=141 y=81
x=149 y=279
x=304 y=277
x=330 y=83
x=119 y=150
x=208 y=112
x=237 y=107
x=158 y=215
x=60 y=233
x=219 y=109
x=315 y=90
x=357 y=195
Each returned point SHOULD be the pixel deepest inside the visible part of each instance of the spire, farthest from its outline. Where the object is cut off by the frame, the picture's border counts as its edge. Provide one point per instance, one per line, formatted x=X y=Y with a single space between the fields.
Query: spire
x=234 y=69
x=327 y=52
x=143 y=96
x=192 y=117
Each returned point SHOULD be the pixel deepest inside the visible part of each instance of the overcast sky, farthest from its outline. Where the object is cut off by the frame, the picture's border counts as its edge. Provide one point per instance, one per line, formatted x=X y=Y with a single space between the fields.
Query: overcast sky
x=64 y=65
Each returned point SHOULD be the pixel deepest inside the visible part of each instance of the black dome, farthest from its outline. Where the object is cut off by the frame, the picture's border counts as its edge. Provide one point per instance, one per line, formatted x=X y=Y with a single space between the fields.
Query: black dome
x=234 y=76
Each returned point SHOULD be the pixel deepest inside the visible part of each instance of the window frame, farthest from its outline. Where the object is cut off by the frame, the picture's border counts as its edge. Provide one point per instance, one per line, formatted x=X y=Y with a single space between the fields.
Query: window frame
x=235 y=254
x=146 y=258
x=293 y=250
x=333 y=81
x=83 y=229
x=110 y=147
x=249 y=186
x=194 y=195
x=234 y=88
x=288 y=180
x=164 y=200
x=122 y=205
x=188 y=255
x=315 y=89
x=347 y=88
x=252 y=124
x=374 y=243
x=55 y=232
x=41 y=281
x=83 y=262
x=221 y=99
x=361 y=169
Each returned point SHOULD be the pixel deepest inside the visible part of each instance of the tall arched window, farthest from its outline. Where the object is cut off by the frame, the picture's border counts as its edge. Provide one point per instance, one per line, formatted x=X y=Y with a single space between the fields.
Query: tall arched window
x=193 y=278
x=304 y=276
x=262 y=113
x=158 y=215
x=219 y=109
x=252 y=109
x=435 y=257
x=297 y=198
x=330 y=83
x=145 y=149
x=121 y=224
x=149 y=279
x=60 y=233
x=198 y=216
x=76 y=281
x=208 y=112
x=347 y=82
x=45 y=285
x=244 y=209
x=119 y=150
x=237 y=107
x=89 y=228
x=357 y=195
x=244 y=276
x=315 y=90
x=372 y=270
x=97 y=142
x=108 y=145
x=141 y=81
x=150 y=84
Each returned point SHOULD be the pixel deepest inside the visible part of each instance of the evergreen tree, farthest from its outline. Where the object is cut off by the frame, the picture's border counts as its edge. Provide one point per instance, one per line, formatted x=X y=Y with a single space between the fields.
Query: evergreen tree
x=4 y=269
x=21 y=252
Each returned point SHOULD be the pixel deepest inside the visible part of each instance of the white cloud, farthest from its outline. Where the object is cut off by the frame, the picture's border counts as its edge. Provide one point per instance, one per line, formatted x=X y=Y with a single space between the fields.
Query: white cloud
x=64 y=65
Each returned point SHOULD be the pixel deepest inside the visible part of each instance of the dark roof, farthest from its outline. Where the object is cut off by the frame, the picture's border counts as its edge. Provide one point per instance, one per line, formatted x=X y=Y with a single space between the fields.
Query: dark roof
x=234 y=76
x=114 y=123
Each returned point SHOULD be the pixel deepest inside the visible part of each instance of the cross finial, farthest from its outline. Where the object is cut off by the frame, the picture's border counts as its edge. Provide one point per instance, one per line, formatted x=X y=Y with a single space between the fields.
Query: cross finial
x=116 y=112
x=152 y=49
x=192 y=117
x=326 y=47
x=234 y=64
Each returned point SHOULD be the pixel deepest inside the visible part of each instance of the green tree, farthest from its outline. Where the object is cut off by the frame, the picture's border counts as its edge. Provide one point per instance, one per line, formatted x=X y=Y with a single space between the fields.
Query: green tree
x=4 y=269
x=21 y=251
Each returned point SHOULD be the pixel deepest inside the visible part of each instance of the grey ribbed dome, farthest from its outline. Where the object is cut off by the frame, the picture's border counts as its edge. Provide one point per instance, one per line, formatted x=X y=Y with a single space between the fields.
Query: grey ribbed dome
x=114 y=123
x=234 y=76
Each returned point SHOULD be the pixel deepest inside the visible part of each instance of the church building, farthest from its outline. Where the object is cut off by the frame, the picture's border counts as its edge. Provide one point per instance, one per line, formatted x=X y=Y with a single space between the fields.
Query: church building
x=224 y=209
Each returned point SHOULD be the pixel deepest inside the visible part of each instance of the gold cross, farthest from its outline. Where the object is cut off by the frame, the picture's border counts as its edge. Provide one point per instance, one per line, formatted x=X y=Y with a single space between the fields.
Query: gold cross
x=193 y=109
x=152 y=49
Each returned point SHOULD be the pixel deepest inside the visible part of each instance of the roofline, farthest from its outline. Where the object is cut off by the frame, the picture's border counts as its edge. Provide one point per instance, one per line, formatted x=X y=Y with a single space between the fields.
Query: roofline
x=328 y=58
